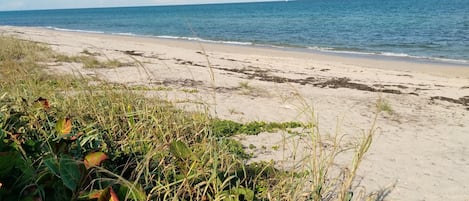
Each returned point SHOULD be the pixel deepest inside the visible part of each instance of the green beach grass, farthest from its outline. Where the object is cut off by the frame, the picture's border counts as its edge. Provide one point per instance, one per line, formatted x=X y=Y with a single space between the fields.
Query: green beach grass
x=63 y=139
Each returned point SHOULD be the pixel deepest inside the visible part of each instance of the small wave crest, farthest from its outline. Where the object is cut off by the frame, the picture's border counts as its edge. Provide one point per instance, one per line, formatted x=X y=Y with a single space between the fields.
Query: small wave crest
x=390 y=54
x=387 y=54
x=403 y=55
x=450 y=60
x=205 y=40
x=73 y=30
x=342 y=51
x=125 y=34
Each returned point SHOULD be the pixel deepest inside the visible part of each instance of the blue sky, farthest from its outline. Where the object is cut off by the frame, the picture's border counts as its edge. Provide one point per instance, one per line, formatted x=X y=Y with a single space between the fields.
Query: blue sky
x=54 y=4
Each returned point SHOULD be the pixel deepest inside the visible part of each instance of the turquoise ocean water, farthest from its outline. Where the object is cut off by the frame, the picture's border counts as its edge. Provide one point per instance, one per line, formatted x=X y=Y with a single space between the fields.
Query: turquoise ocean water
x=422 y=29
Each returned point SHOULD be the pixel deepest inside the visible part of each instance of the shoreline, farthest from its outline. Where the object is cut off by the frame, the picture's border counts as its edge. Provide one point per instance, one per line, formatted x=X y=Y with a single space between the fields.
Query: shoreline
x=367 y=60
x=421 y=144
x=383 y=56
x=318 y=51
x=386 y=56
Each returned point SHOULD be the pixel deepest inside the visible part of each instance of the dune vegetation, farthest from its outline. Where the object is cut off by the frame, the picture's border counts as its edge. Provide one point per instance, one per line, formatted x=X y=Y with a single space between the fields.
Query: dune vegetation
x=62 y=138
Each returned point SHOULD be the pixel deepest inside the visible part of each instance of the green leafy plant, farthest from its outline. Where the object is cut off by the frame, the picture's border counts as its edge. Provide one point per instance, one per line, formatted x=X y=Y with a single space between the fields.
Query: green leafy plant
x=230 y=128
x=29 y=134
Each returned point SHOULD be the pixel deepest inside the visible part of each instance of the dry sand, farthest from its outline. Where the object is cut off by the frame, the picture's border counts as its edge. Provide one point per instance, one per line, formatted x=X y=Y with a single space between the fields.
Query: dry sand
x=422 y=146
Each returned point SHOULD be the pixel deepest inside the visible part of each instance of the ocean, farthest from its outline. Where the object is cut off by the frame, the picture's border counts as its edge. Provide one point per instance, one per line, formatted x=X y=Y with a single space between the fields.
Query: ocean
x=421 y=29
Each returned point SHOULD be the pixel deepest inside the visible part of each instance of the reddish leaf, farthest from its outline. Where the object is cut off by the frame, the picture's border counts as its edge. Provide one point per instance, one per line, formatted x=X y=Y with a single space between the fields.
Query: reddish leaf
x=75 y=137
x=94 y=159
x=64 y=126
x=44 y=102
x=95 y=194
x=113 y=195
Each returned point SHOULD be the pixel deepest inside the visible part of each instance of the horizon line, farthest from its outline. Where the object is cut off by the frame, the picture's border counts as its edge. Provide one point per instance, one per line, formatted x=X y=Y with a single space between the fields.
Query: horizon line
x=137 y=6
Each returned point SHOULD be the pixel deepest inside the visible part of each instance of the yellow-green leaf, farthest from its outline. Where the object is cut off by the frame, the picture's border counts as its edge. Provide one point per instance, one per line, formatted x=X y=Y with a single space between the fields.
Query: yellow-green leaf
x=108 y=194
x=64 y=126
x=95 y=194
x=94 y=159
x=181 y=150
x=105 y=195
x=133 y=192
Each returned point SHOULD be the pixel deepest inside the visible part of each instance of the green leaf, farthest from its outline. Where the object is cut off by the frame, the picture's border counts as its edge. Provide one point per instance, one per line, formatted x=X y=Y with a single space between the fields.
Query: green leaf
x=241 y=194
x=8 y=160
x=69 y=172
x=2 y=137
x=52 y=164
x=133 y=193
x=349 y=196
x=180 y=150
x=248 y=194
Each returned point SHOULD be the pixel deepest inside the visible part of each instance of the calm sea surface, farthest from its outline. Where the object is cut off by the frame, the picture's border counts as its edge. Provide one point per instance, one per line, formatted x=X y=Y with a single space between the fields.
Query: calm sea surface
x=427 y=29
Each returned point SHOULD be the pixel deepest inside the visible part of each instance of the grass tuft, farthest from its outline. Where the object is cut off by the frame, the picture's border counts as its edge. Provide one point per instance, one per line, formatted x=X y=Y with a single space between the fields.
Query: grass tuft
x=384 y=106
x=89 y=61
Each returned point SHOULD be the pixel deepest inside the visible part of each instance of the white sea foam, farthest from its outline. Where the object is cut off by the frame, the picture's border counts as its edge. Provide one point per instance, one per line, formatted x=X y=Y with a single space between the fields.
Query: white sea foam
x=391 y=54
x=125 y=34
x=388 y=54
x=451 y=60
x=332 y=50
x=73 y=30
x=403 y=55
x=205 y=40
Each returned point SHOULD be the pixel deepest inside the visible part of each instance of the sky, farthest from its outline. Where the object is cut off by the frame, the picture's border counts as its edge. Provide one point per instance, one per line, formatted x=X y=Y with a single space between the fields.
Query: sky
x=57 y=4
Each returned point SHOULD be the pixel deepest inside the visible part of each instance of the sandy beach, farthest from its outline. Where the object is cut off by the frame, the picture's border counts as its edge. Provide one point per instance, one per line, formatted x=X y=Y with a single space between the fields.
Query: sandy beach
x=420 y=146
